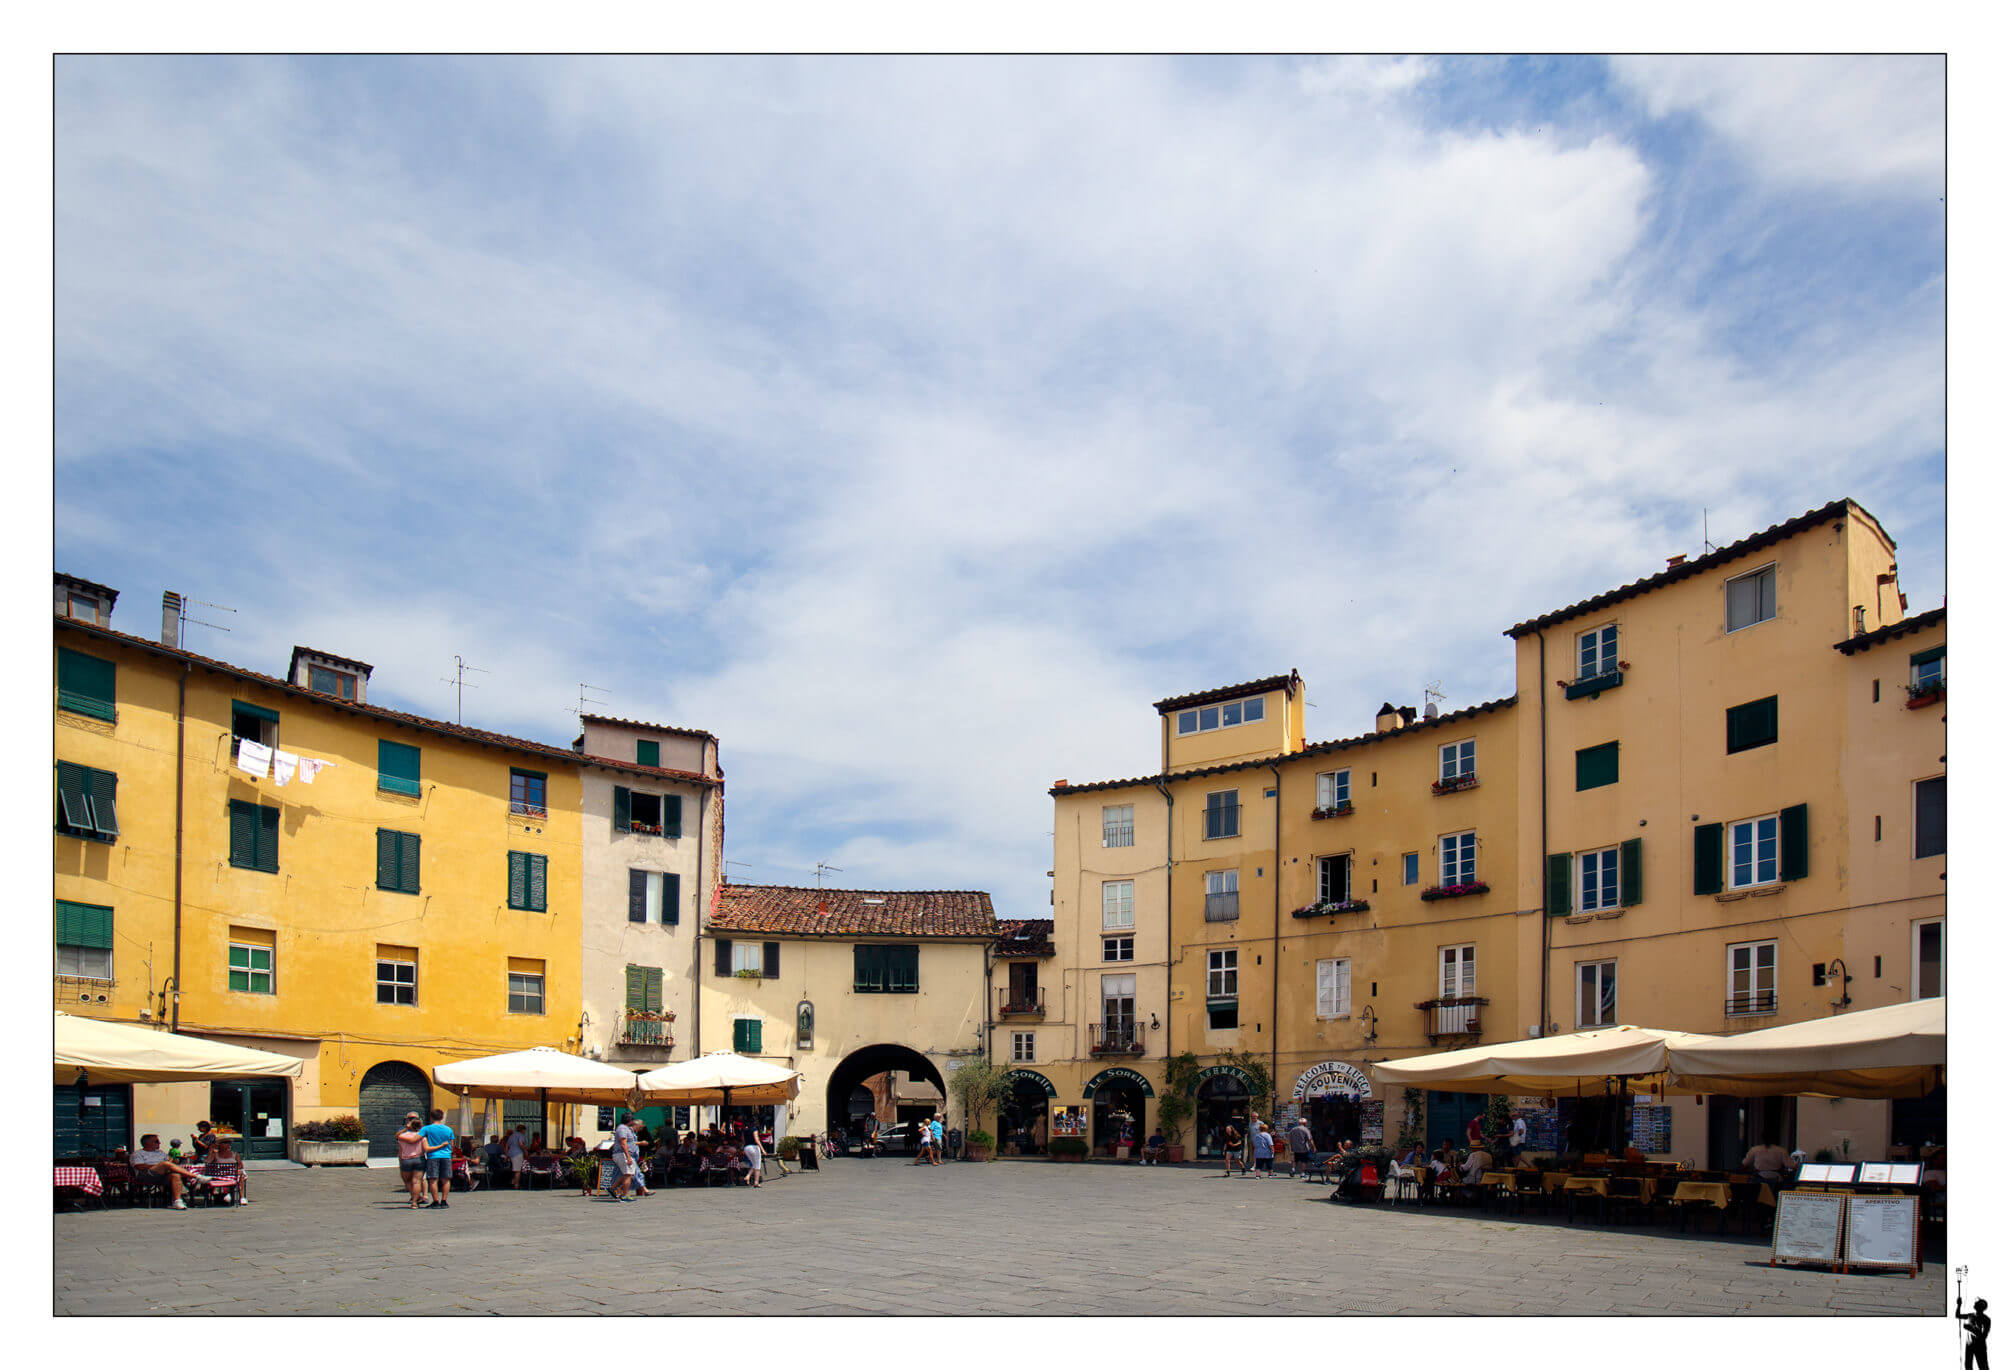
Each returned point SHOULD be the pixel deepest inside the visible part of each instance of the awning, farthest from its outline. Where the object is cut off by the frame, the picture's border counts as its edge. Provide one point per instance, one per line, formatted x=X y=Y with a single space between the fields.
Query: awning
x=123 y=1053
x=1574 y=1063
x=1880 y=1053
x=720 y=1077
x=919 y=1091
x=540 y=1075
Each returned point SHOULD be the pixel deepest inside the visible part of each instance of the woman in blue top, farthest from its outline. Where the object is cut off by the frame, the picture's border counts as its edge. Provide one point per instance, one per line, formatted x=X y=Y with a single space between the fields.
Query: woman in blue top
x=1260 y=1141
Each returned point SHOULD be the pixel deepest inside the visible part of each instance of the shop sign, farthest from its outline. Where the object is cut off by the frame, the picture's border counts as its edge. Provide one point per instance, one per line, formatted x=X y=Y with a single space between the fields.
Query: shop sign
x=1238 y=1071
x=1118 y=1075
x=1332 y=1077
x=1033 y=1079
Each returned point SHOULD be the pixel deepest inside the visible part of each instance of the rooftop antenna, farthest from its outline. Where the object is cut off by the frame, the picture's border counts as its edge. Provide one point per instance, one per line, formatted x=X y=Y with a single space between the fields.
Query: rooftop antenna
x=1706 y=545
x=459 y=682
x=185 y=620
x=820 y=868
x=1432 y=694
x=726 y=864
x=583 y=700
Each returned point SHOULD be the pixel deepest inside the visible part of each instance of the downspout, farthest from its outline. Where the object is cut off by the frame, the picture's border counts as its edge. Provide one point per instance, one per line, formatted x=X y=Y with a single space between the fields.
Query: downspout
x=1542 y=750
x=1167 y=1045
x=701 y=874
x=180 y=828
x=1277 y=900
x=988 y=958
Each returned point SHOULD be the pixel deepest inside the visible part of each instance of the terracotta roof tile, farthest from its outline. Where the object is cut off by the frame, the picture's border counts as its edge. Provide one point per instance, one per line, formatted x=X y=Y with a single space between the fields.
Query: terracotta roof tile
x=1287 y=683
x=298 y=652
x=1875 y=637
x=650 y=727
x=853 y=913
x=1025 y=937
x=80 y=583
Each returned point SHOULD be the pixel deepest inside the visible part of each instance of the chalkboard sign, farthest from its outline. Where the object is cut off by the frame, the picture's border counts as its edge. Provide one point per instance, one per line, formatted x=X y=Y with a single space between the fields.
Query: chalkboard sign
x=605 y=1122
x=1371 y=1120
x=1653 y=1128
x=1882 y=1232
x=1808 y=1228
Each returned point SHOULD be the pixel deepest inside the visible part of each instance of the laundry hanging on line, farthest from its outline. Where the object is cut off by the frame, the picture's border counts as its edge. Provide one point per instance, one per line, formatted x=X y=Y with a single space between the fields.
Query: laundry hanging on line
x=282 y=766
x=310 y=767
x=253 y=757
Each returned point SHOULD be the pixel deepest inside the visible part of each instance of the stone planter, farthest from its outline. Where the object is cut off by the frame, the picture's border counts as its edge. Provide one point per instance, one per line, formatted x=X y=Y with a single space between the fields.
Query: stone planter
x=1176 y=1154
x=975 y=1152
x=330 y=1153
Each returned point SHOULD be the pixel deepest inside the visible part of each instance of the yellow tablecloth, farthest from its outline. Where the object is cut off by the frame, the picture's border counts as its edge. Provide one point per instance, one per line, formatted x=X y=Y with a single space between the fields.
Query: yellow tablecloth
x=1498 y=1179
x=1694 y=1191
x=1587 y=1184
x=1553 y=1182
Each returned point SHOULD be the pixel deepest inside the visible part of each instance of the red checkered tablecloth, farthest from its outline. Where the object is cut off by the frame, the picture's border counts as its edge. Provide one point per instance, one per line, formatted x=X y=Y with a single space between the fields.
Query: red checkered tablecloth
x=78 y=1177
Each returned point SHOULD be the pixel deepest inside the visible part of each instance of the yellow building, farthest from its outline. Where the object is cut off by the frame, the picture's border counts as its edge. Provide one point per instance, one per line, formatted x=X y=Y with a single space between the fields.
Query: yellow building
x=1709 y=805
x=275 y=862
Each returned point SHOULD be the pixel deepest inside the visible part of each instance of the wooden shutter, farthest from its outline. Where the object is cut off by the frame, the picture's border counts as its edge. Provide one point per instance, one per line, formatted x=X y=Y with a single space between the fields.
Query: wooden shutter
x=73 y=796
x=385 y=859
x=1557 y=895
x=867 y=976
x=1631 y=886
x=1597 y=766
x=1708 y=859
x=86 y=685
x=770 y=960
x=397 y=767
x=242 y=834
x=83 y=925
x=267 y=839
x=407 y=861
x=635 y=900
x=538 y=883
x=723 y=965
x=635 y=987
x=670 y=815
x=1792 y=843
x=670 y=900
x=649 y=753
x=655 y=989
x=749 y=1036
x=517 y=880
x=621 y=808
x=104 y=803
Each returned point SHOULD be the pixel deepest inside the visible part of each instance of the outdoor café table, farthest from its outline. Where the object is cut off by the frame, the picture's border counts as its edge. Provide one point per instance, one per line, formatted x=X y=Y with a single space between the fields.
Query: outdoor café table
x=79 y=1177
x=1688 y=1192
x=231 y=1182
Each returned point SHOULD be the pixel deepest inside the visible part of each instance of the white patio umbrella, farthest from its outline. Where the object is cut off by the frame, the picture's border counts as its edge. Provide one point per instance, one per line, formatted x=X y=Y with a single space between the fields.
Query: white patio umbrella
x=123 y=1053
x=1880 y=1053
x=1593 y=1062
x=541 y=1073
x=720 y=1077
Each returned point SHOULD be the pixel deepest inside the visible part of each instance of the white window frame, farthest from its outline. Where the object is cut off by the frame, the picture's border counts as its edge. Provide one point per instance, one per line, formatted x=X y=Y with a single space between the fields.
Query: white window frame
x=1458 y=760
x=394 y=983
x=1118 y=828
x=1594 y=1002
x=81 y=963
x=1759 y=847
x=1458 y=977
x=1458 y=857
x=1768 y=603
x=1208 y=718
x=1230 y=806
x=1325 y=866
x=1118 y=989
x=270 y=975
x=1024 y=1047
x=1118 y=948
x=656 y=896
x=1335 y=788
x=1117 y=907
x=1220 y=882
x=1413 y=868
x=1336 y=974
x=1916 y=957
x=1222 y=973
x=1755 y=972
x=1590 y=873
x=746 y=956
x=1600 y=644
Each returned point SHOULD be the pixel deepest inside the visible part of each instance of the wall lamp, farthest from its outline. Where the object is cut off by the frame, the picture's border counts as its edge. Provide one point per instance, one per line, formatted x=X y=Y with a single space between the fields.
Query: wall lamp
x=1368 y=1024
x=1839 y=967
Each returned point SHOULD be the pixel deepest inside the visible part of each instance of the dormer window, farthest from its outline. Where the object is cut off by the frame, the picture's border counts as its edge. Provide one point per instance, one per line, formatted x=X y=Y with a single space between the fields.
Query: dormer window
x=1213 y=716
x=84 y=601
x=327 y=674
x=328 y=681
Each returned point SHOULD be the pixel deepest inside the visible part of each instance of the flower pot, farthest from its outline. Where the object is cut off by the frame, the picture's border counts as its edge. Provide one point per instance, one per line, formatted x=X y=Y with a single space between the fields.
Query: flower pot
x=975 y=1152
x=1176 y=1154
x=330 y=1153
x=1064 y=1156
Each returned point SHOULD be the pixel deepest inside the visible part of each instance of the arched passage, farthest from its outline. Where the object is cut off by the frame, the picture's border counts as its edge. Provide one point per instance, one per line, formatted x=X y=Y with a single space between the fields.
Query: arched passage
x=1022 y=1129
x=389 y=1090
x=841 y=1086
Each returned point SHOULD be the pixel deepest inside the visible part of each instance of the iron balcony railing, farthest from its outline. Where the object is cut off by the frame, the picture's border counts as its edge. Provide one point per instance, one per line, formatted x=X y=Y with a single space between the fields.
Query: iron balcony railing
x=1745 y=1005
x=1022 y=1005
x=1220 y=908
x=1117 y=1038
x=1221 y=820
x=645 y=1032
x=1453 y=1015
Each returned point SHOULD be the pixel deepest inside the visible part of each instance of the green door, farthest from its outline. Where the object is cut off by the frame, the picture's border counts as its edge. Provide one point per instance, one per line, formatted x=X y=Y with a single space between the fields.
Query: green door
x=254 y=1109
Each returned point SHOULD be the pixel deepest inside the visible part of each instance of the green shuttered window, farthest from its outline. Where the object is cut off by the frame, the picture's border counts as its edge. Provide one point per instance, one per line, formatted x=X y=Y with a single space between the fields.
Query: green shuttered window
x=86 y=802
x=621 y=808
x=1558 y=902
x=83 y=925
x=1792 y=843
x=885 y=970
x=397 y=860
x=749 y=1036
x=1597 y=766
x=253 y=836
x=1708 y=859
x=645 y=989
x=397 y=767
x=1753 y=725
x=649 y=753
x=528 y=881
x=86 y=685
x=1632 y=888
x=250 y=969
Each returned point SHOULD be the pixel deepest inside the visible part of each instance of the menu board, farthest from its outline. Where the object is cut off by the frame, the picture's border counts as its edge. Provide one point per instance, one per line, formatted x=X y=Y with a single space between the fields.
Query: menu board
x=1814 y=1174
x=1808 y=1227
x=1841 y=1174
x=1882 y=1231
x=1905 y=1174
x=1653 y=1128
x=1371 y=1121
x=1543 y=1130
x=1875 y=1172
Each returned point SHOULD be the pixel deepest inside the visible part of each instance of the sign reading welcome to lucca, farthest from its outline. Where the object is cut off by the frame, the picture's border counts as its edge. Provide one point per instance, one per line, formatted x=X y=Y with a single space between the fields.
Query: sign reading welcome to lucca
x=1331 y=1077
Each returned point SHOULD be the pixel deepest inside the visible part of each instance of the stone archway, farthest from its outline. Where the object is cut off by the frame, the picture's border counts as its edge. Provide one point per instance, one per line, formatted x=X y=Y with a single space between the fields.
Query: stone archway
x=389 y=1090
x=859 y=1065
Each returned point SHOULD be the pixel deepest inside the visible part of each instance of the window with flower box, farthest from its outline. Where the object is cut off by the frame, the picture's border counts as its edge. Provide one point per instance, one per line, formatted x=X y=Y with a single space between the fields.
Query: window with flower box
x=1333 y=794
x=1457 y=768
x=1336 y=878
x=1458 y=858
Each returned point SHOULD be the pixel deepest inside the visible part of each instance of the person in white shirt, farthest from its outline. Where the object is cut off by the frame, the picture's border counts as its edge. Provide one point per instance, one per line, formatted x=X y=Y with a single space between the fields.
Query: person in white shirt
x=150 y=1160
x=1476 y=1164
x=517 y=1152
x=753 y=1157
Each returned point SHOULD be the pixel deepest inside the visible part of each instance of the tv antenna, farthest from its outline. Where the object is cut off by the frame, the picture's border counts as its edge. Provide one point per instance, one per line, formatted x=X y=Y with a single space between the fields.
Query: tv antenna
x=583 y=699
x=458 y=682
x=1432 y=696
x=185 y=620
x=820 y=868
x=727 y=864
x=1706 y=545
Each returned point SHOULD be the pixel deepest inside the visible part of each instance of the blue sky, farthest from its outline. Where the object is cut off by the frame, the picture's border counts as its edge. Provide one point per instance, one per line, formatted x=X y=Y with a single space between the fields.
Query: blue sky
x=912 y=424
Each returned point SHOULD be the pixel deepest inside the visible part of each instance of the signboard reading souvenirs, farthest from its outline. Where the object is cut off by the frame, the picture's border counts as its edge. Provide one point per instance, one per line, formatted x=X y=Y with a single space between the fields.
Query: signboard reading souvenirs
x=1882 y=1232
x=1332 y=1078
x=1808 y=1228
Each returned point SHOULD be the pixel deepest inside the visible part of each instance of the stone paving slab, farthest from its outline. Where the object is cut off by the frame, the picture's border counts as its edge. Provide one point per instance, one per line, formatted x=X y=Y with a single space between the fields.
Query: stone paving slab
x=871 y=1238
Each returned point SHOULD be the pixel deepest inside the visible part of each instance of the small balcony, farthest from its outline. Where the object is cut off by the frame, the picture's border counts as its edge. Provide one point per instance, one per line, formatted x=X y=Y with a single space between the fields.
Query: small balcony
x=1022 y=1006
x=1455 y=784
x=1220 y=821
x=1220 y=908
x=1924 y=695
x=652 y=1030
x=1453 y=1017
x=1593 y=685
x=1327 y=908
x=1757 y=1004
x=1117 y=1039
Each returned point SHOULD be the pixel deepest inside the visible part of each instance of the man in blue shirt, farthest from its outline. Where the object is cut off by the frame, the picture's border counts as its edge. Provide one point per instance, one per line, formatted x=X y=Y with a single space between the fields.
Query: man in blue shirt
x=437 y=1158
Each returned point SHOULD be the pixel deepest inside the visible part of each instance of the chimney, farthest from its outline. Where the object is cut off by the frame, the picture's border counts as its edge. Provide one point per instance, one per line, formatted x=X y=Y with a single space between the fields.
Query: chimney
x=170 y=619
x=1388 y=719
x=1676 y=560
x=1060 y=785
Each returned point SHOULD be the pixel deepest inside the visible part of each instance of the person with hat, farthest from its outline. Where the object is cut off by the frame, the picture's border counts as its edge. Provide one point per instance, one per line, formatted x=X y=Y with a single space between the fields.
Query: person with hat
x=410 y=1157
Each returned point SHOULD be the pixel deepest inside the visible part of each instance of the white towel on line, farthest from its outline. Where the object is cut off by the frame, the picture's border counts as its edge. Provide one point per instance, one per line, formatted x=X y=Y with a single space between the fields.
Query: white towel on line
x=253 y=757
x=310 y=767
x=282 y=766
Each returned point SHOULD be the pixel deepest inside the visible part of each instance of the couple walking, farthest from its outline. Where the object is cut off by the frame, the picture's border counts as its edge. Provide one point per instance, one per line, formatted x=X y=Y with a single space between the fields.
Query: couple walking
x=423 y=1152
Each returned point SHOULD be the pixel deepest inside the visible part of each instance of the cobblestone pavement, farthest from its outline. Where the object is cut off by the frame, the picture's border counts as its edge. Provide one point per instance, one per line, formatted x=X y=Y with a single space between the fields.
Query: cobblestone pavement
x=876 y=1237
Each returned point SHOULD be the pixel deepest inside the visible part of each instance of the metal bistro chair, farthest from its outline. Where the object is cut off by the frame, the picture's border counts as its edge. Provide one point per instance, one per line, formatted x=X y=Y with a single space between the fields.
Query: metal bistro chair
x=225 y=1179
x=545 y=1169
x=1405 y=1182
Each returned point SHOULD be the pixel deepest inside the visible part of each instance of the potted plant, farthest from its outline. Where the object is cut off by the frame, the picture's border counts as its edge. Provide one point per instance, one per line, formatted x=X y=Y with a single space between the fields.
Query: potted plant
x=339 y=1140
x=788 y=1148
x=978 y=1146
x=1067 y=1149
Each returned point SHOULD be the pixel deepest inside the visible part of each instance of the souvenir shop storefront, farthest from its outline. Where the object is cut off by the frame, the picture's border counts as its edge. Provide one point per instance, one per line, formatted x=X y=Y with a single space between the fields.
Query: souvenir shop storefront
x=1024 y=1117
x=1333 y=1099
x=1117 y=1099
x=1221 y=1101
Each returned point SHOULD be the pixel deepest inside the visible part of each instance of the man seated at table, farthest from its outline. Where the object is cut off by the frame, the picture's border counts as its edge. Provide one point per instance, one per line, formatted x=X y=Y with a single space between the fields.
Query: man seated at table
x=150 y=1160
x=1768 y=1163
x=1155 y=1149
x=1445 y=1164
x=1477 y=1162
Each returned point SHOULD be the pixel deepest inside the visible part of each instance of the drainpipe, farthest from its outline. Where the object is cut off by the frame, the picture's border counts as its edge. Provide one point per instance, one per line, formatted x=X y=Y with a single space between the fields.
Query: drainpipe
x=1542 y=750
x=180 y=828
x=701 y=872
x=1167 y=1045
x=1277 y=892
